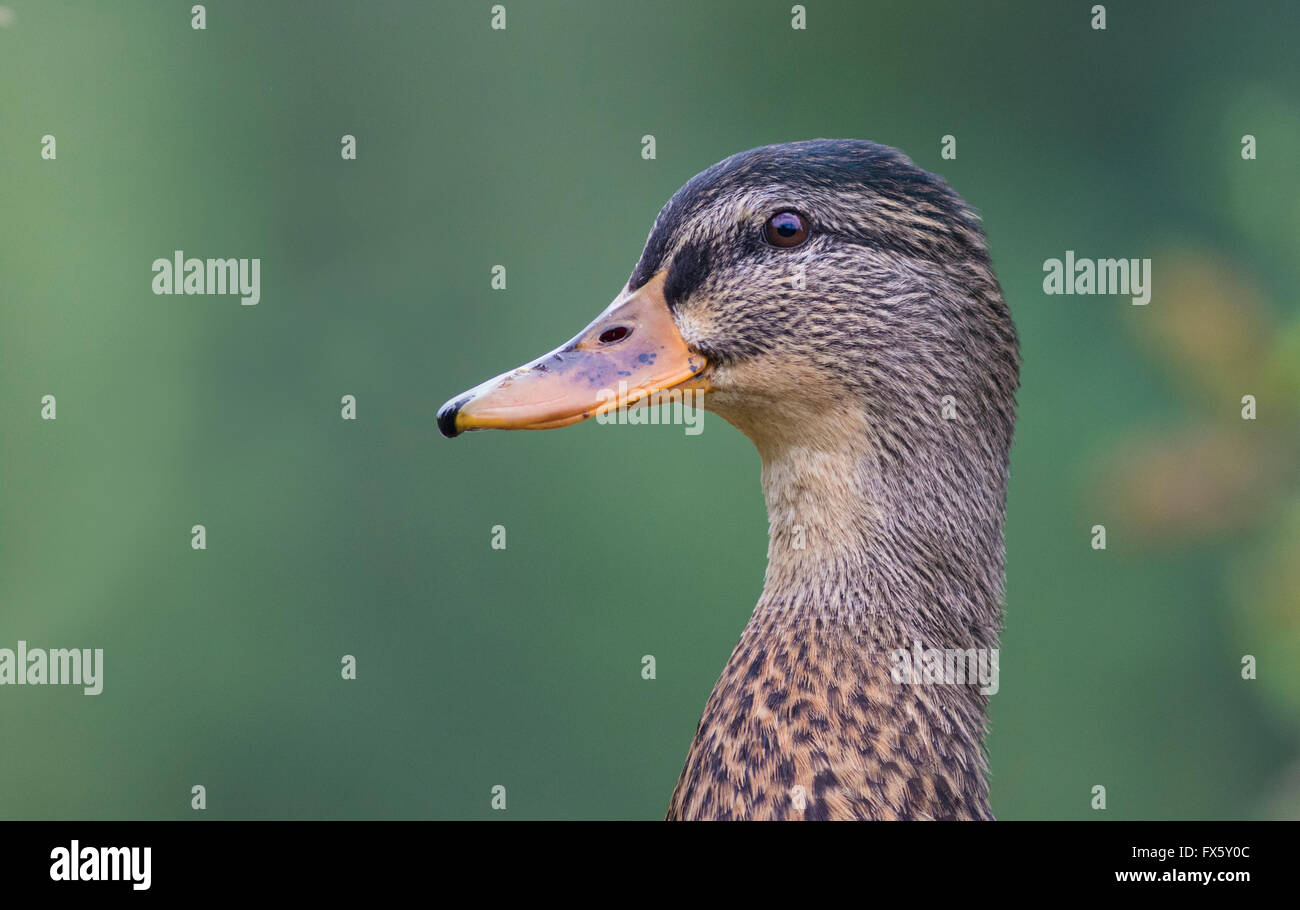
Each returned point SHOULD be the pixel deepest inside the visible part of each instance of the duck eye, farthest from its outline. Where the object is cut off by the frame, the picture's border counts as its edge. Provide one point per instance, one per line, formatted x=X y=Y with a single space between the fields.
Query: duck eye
x=617 y=333
x=785 y=229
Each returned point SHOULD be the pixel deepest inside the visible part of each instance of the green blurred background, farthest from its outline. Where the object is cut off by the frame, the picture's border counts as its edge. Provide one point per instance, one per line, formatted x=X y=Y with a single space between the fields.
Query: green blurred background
x=522 y=147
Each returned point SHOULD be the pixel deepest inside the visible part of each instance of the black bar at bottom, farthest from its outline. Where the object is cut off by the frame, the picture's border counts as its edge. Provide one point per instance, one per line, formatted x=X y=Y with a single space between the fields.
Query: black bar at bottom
x=334 y=859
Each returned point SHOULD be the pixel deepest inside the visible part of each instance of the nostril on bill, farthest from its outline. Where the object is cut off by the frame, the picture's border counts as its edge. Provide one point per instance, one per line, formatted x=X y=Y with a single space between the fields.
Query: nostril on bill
x=617 y=333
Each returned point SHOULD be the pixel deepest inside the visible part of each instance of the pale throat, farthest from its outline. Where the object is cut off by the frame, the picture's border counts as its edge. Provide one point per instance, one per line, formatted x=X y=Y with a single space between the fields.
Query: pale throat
x=822 y=516
x=854 y=537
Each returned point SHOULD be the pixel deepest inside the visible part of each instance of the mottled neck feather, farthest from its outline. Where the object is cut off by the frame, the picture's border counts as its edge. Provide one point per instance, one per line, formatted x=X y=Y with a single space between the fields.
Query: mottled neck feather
x=868 y=554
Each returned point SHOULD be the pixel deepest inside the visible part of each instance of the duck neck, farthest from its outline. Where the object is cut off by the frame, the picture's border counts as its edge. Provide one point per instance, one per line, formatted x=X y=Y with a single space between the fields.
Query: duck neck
x=855 y=535
x=817 y=713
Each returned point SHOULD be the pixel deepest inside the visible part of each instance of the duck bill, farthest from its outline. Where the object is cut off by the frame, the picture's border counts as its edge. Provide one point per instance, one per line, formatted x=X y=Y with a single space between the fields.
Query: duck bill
x=630 y=352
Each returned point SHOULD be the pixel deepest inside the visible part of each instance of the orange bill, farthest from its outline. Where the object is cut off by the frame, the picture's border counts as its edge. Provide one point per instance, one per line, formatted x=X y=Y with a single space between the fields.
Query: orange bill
x=631 y=351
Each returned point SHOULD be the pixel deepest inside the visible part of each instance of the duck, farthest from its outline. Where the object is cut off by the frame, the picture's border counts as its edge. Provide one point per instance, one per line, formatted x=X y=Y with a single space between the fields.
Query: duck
x=836 y=304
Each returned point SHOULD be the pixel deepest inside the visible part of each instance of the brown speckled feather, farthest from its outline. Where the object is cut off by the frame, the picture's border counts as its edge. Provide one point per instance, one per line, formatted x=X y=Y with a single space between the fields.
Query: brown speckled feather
x=812 y=706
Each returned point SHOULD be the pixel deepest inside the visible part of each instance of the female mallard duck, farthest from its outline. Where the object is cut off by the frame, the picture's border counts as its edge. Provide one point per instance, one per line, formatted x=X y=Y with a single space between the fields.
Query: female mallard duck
x=839 y=306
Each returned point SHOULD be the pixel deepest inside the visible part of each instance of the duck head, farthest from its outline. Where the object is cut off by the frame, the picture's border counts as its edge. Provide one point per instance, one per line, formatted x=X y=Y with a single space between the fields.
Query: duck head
x=820 y=292
x=801 y=285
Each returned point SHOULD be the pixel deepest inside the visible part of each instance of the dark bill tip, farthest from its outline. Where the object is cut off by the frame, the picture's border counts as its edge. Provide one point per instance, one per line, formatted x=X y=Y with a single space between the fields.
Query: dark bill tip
x=447 y=418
